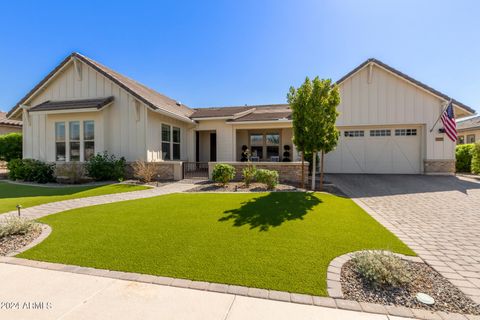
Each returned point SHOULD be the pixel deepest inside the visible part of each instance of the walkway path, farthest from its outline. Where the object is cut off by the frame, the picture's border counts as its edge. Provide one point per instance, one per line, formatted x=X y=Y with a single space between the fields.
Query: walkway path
x=35 y=293
x=59 y=206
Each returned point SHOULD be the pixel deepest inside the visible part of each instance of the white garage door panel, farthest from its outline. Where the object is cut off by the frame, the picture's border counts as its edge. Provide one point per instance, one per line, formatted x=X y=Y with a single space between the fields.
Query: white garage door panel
x=387 y=154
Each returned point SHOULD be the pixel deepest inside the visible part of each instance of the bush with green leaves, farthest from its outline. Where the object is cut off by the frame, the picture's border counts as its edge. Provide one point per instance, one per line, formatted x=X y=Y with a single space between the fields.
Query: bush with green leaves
x=463 y=156
x=223 y=173
x=268 y=177
x=11 y=146
x=475 y=166
x=14 y=225
x=31 y=170
x=249 y=173
x=382 y=269
x=105 y=167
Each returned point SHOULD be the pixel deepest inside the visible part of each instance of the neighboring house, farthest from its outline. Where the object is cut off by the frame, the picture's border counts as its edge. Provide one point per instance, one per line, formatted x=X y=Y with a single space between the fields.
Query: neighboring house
x=8 y=126
x=468 y=130
x=82 y=108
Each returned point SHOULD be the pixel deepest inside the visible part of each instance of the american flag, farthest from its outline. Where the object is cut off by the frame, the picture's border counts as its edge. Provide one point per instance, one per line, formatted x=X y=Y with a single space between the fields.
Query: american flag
x=448 y=119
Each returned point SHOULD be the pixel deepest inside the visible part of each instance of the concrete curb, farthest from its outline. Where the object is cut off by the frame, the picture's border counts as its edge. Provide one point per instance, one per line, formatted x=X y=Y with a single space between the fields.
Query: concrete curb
x=334 y=288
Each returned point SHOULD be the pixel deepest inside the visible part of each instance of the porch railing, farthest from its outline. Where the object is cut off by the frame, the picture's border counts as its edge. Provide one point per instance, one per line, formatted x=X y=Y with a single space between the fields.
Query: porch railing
x=195 y=170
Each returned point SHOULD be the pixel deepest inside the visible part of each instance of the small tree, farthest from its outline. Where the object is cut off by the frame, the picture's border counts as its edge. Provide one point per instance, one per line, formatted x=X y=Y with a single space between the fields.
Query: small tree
x=316 y=102
x=298 y=100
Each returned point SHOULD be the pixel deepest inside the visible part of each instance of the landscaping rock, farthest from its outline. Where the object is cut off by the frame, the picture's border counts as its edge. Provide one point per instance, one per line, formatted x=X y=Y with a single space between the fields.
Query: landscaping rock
x=12 y=243
x=447 y=297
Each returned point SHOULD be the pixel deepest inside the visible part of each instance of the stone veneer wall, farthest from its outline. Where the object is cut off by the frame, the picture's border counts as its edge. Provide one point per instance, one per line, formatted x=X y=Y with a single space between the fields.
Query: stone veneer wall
x=446 y=166
x=288 y=172
x=166 y=170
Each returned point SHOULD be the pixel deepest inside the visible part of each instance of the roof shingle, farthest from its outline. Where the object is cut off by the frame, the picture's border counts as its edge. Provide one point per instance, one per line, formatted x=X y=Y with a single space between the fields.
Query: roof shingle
x=72 y=104
x=7 y=122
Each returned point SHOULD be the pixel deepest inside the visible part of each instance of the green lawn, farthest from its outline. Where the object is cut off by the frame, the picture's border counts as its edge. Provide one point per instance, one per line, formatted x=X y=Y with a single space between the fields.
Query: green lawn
x=281 y=241
x=28 y=196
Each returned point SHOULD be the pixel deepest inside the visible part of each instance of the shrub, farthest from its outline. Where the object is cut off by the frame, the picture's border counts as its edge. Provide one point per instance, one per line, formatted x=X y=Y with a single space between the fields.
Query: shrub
x=11 y=146
x=105 y=167
x=15 y=169
x=71 y=172
x=268 y=177
x=381 y=269
x=463 y=156
x=223 y=173
x=31 y=170
x=14 y=225
x=144 y=171
x=249 y=173
x=475 y=167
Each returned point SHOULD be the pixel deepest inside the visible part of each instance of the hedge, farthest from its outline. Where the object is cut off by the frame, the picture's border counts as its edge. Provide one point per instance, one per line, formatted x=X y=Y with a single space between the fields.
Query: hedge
x=463 y=155
x=10 y=146
x=475 y=167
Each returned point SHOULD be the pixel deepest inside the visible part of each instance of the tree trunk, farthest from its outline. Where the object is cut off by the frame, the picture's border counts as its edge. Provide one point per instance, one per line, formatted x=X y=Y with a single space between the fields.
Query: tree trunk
x=321 y=171
x=303 y=172
x=314 y=164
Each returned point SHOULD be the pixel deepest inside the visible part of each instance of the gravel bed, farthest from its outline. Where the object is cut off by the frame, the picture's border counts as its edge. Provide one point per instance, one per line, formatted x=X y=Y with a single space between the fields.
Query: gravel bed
x=447 y=297
x=239 y=187
x=15 y=242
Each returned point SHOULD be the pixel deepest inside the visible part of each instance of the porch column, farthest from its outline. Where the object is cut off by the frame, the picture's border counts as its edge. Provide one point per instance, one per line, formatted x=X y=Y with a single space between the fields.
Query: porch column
x=234 y=144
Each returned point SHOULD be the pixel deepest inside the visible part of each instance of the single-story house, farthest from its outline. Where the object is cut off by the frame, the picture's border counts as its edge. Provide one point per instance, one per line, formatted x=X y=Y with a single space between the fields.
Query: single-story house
x=468 y=130
x=82 y=107
x=8 y=125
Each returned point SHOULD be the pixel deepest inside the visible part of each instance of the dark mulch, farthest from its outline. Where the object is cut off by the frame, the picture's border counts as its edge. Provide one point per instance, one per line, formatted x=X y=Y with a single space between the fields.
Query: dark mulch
x=11 y=243
x=447 y=297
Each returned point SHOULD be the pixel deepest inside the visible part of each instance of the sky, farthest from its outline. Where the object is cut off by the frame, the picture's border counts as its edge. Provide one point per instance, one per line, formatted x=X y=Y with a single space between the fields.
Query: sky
x=218 y=53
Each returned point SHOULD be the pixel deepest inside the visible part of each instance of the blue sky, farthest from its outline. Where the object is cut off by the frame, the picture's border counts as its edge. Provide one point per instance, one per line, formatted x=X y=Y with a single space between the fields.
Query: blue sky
x=214 y=53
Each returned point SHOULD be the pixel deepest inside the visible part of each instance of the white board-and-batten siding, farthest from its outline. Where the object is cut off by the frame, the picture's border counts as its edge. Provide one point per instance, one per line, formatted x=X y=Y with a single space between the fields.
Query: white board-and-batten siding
x=386 y=100
x=119 y=129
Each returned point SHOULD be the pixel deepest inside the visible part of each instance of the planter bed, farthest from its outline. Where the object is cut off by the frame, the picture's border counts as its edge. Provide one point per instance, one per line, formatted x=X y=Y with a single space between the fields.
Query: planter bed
x=447 y=297
x=14 y=242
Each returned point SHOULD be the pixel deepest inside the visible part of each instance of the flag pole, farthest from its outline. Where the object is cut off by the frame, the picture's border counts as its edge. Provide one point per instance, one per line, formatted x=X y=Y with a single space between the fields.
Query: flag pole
x=444 y=108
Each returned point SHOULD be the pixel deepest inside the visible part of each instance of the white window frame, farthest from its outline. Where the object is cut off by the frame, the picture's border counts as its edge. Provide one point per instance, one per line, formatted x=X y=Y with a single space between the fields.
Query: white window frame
x=81 y=141
x=171 y=143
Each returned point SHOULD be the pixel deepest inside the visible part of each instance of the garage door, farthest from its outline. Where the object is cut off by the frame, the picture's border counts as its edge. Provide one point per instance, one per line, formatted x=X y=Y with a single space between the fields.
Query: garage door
x=377 y=150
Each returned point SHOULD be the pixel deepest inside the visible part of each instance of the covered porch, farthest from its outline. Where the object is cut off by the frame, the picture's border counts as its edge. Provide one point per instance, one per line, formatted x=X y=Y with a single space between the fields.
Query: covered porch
x=264 y=145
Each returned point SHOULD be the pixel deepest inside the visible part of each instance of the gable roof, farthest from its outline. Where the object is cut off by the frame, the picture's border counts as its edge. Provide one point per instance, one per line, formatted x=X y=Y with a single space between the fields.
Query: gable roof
x=48 y=105
x=7 y=122
x=468 y=124
x=150 y=97
x=407 y=78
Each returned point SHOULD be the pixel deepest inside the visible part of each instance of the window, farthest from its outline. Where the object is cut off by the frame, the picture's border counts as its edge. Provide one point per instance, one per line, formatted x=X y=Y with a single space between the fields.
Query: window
x=471 y=138
x=461 y=140
x=380 y=133
x=354 y=133
x=256 y=139
x=88 y=140
x=74 y=134
x=176 y=143
x=60 y=149
x=265 y=146
x=166 y=142
x=405 y=132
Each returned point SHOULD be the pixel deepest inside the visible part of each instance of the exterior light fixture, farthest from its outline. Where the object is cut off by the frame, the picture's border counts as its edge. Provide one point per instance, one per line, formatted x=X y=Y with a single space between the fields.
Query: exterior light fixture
x=18 y=209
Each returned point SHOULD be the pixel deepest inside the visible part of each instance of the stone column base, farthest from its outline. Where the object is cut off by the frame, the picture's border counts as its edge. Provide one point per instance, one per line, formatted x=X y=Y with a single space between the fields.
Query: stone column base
x=439 y=166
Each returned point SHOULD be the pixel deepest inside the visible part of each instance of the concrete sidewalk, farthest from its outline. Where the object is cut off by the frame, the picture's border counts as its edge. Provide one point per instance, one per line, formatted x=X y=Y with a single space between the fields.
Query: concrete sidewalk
x=34 y=293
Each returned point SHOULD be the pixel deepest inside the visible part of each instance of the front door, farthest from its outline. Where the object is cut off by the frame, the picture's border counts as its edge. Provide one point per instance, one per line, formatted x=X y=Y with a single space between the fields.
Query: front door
x=213 y=146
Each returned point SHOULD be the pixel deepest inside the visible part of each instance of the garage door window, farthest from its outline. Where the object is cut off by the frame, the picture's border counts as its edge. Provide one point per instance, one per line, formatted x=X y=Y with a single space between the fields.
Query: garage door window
x=405 y=132
x=380 y=133
x=354 y=133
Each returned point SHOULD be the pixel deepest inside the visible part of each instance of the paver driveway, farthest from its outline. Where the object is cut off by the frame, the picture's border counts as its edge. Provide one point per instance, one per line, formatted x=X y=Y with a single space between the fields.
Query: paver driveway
x=437 y=216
